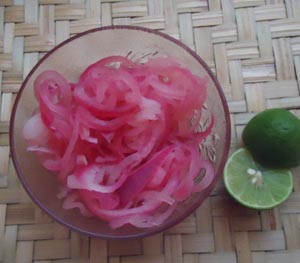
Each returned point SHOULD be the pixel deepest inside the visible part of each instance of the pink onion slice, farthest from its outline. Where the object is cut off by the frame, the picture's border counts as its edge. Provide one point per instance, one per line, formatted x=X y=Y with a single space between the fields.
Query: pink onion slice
x=123 y=140
x=139 y=178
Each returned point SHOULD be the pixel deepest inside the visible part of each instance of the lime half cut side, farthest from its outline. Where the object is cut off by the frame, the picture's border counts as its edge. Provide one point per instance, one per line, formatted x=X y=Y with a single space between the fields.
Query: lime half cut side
x=253 y=185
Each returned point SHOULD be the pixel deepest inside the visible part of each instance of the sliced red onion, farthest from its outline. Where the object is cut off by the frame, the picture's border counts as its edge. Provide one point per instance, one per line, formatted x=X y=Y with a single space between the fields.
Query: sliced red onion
x=123 y=140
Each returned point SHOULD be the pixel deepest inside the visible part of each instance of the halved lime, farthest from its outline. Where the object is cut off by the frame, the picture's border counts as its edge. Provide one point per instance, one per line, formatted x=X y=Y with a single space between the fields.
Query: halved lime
x=253 y=185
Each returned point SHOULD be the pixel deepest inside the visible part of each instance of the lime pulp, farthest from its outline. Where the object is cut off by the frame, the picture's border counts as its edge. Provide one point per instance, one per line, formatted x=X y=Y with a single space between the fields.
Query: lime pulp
x=253 y=185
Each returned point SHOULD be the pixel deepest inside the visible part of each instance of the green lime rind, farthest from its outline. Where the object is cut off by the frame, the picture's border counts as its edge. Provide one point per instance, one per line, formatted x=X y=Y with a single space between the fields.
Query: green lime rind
x=276 y=188
x=273 y=138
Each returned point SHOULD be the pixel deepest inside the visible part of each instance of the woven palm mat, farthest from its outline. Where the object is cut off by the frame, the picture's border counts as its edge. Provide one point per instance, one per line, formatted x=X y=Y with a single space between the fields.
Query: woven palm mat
x=253 y=46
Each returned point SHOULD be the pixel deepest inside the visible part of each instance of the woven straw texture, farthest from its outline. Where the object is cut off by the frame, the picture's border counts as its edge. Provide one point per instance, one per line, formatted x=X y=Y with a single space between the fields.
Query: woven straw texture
x=253 y=46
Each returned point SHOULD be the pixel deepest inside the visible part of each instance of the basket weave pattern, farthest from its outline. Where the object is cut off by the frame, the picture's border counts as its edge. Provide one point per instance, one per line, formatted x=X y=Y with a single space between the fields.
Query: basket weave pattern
x=253 y=46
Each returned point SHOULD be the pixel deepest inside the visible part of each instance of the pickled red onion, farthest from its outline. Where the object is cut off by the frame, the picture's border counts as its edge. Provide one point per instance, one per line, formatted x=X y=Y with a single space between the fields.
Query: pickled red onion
x=123 y=140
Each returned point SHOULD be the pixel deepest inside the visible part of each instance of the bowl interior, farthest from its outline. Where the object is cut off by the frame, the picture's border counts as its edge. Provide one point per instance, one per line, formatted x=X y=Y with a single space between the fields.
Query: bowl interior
x=70 y=59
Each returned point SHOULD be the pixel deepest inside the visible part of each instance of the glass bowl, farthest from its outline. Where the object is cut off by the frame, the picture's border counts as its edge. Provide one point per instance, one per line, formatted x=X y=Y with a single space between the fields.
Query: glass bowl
x=70 y=58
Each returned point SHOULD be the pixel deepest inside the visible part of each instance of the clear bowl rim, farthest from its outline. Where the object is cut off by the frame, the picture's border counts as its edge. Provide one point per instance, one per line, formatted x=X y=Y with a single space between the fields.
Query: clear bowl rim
x=207 y=191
